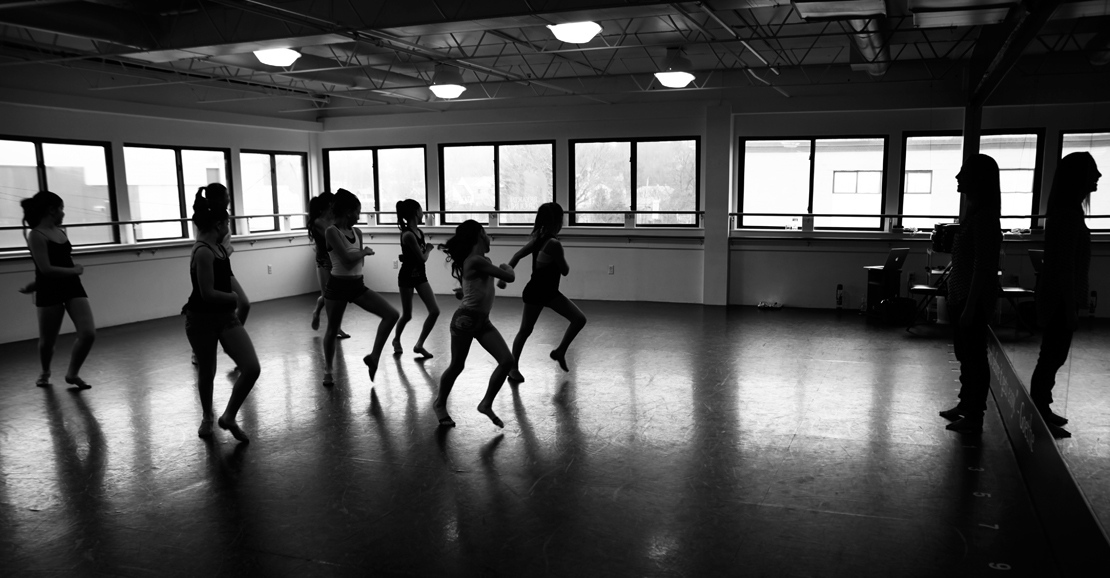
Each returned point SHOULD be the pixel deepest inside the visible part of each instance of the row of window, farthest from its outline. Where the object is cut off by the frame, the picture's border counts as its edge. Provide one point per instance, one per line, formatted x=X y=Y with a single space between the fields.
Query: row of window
x=844 y=176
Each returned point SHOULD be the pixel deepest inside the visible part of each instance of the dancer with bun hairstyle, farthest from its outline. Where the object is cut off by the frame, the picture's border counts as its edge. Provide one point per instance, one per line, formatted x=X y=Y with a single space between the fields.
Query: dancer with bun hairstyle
x=344 y=244
x=414 y=275
x=57 y=286
x=466 y=252
x=548 y=264
x=210 y=313
x=319 y=219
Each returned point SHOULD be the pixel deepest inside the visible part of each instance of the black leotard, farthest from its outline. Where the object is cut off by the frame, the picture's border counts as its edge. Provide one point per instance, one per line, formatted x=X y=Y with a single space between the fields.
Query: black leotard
x=544 y=284
x=221 y=269
x=50 y=291
x=413 y=269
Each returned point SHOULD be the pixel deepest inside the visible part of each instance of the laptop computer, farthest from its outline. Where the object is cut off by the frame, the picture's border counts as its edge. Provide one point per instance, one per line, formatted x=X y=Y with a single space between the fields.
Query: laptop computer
x=894 y=260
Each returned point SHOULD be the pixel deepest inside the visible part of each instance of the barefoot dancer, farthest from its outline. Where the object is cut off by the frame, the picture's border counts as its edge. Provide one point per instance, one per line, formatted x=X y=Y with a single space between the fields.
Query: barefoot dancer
x=319 y=219
x=211 y=314
x=344 y=244
x=548 y=264
x=413 y=275
x=469 y=265
x=57 y=286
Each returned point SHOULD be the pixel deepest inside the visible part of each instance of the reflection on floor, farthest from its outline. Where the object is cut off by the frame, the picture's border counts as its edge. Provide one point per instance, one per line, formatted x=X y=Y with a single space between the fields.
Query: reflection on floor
x=685 y=441
x=1082 y=396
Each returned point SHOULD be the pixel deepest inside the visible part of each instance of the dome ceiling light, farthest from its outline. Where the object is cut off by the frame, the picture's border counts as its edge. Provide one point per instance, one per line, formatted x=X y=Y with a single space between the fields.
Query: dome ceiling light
x=282 y=57
x=575 y=32
x=676 y=70
x=447 y=82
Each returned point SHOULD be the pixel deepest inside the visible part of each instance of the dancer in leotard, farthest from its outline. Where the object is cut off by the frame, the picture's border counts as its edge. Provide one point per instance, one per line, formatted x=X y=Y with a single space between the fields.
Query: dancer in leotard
x=58 y=288
x=319 y=219
x=219 y=198
x=469 y=265
x=344 y=244
x=210 y=315
x=413 y=275
x=549 y=263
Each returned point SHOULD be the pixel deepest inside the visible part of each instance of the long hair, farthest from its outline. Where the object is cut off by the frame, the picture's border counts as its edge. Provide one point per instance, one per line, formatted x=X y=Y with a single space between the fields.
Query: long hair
x=983 y=178
x=549 y=219
x=344 y=205
x=39 y=206
x=210 y=207
x=458 y=248
x=406 y=213
x=1067 y=194
x=317 y=207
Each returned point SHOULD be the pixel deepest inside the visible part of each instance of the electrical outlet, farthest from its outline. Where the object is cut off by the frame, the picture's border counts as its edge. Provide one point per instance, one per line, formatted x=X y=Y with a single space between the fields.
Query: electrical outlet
x=269 y=269
x=394 y=264
x=612 y=270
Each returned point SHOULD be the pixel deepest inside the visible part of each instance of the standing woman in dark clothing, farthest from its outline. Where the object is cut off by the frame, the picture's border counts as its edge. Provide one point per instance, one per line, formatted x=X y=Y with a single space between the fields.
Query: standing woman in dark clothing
x=973 y=287
x=344 y=244
x=319 y=219
x=414 y=275
x=210 y=315
x=549 y=263
x=1063 y=284
x=58 y=286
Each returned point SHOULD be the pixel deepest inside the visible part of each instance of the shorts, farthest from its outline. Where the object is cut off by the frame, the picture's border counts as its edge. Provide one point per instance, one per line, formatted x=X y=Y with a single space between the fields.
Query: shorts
x=536 y=295
x=49 y=293
x=412 y=275
x=323 y=261
x=346 y=289
x=470 y=323
x=201 y=325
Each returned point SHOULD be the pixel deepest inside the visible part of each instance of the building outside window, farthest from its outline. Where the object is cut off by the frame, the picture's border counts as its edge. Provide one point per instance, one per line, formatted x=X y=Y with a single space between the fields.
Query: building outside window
x=273 y=183
x=493 y=177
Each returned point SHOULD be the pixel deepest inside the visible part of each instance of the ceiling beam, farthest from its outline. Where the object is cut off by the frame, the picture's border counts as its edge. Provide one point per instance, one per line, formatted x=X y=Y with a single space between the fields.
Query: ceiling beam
x=1001 y=45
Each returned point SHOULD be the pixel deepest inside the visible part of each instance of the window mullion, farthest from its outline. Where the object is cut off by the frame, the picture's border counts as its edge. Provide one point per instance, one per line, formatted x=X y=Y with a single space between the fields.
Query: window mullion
x=812 y=164
x=632 y=174
x=181 y=199
x=497 y=180
x=274 y=188
x=377 y=187
x=43 y=185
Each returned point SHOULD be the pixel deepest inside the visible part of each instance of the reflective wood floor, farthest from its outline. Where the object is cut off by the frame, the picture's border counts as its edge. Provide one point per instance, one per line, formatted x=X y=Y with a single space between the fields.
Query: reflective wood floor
x=685 y=441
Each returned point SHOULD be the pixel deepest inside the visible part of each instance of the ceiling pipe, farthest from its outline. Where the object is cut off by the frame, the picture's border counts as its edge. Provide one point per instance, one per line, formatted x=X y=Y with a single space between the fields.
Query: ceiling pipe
x=717 y=19
x=868 y=36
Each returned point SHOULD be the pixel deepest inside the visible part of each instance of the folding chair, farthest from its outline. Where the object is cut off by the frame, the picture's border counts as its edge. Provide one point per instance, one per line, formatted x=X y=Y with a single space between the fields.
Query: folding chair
x=928 y=293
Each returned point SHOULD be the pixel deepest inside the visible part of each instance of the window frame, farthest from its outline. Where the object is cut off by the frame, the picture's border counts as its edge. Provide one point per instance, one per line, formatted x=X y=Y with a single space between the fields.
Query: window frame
x=377 y=185
x=40 y=172
x=741 y=165
x=274 y=186
x=633 y=141
x=1038 y=165
x=906 y=135
x=1060 y=152
x=496 y=174
x=182 y=193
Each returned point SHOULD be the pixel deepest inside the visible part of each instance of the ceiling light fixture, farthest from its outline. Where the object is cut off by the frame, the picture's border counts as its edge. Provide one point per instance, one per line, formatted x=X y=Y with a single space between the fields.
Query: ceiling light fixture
x=575 y=32
x=277 y=56
x=447 y=82
x=676 y=70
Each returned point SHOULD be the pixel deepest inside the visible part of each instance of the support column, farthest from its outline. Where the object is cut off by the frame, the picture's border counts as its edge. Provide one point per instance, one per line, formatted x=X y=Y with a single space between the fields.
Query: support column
x=716 y=201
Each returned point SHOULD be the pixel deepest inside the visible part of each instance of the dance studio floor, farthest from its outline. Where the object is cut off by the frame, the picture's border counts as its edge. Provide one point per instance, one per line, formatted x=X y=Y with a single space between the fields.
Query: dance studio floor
x=685 y=441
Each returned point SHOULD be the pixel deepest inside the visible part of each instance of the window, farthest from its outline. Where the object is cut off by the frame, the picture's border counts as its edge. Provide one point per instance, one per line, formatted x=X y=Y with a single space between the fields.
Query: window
x=379 y=177
x=161 y=184
x=497 y=177
x=273 y=183
x=1016 y=155
x=1098 y=144
x=666 y=179
x=929 y=180
x=798 y=176
x=77 y=172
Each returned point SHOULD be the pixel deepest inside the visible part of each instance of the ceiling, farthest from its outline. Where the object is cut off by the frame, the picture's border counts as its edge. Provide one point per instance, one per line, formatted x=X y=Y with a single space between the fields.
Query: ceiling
x=378 y=57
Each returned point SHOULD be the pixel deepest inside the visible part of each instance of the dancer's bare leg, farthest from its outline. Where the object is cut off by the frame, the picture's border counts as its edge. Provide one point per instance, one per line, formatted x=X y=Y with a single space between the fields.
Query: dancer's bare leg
x=406 y=316
x=429 y=299
x=493 y=343
x=528 y=320
x=565 y=307
x=237 y=344
x=460 y=348
x=376 y=304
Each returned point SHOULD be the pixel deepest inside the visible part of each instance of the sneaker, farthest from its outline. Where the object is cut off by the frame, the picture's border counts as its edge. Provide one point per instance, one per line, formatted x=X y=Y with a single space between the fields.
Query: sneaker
x=1051 y=418
x=952 y=414
x=968 y=424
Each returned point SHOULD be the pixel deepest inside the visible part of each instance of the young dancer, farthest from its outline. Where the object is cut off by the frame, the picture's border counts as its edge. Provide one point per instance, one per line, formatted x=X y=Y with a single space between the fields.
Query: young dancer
x=344 y=244
x=548 y=264
x=973 y=287
x=210 y=315
x=413 y=275
x=58 y=288
x=469 y=265
x=319 y=219
x=1064 y=281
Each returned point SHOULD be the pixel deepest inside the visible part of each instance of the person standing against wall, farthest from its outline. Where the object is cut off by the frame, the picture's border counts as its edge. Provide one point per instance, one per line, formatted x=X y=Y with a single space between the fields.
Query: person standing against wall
x=973 y=287
x=1063 y=284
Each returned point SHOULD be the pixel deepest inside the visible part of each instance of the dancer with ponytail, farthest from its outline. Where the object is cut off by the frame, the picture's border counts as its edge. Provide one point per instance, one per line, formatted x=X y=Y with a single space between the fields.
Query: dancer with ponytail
x=57 y=286
x=466 y=252
x=319 y=219
x=414 y=275
x=344 y=244
x=210 y=313
x=548 y=264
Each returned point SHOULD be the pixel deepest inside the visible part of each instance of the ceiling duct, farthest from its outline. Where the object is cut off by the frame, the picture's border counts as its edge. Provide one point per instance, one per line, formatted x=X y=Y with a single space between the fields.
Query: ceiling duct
x=862 y=18
x=951 y=13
